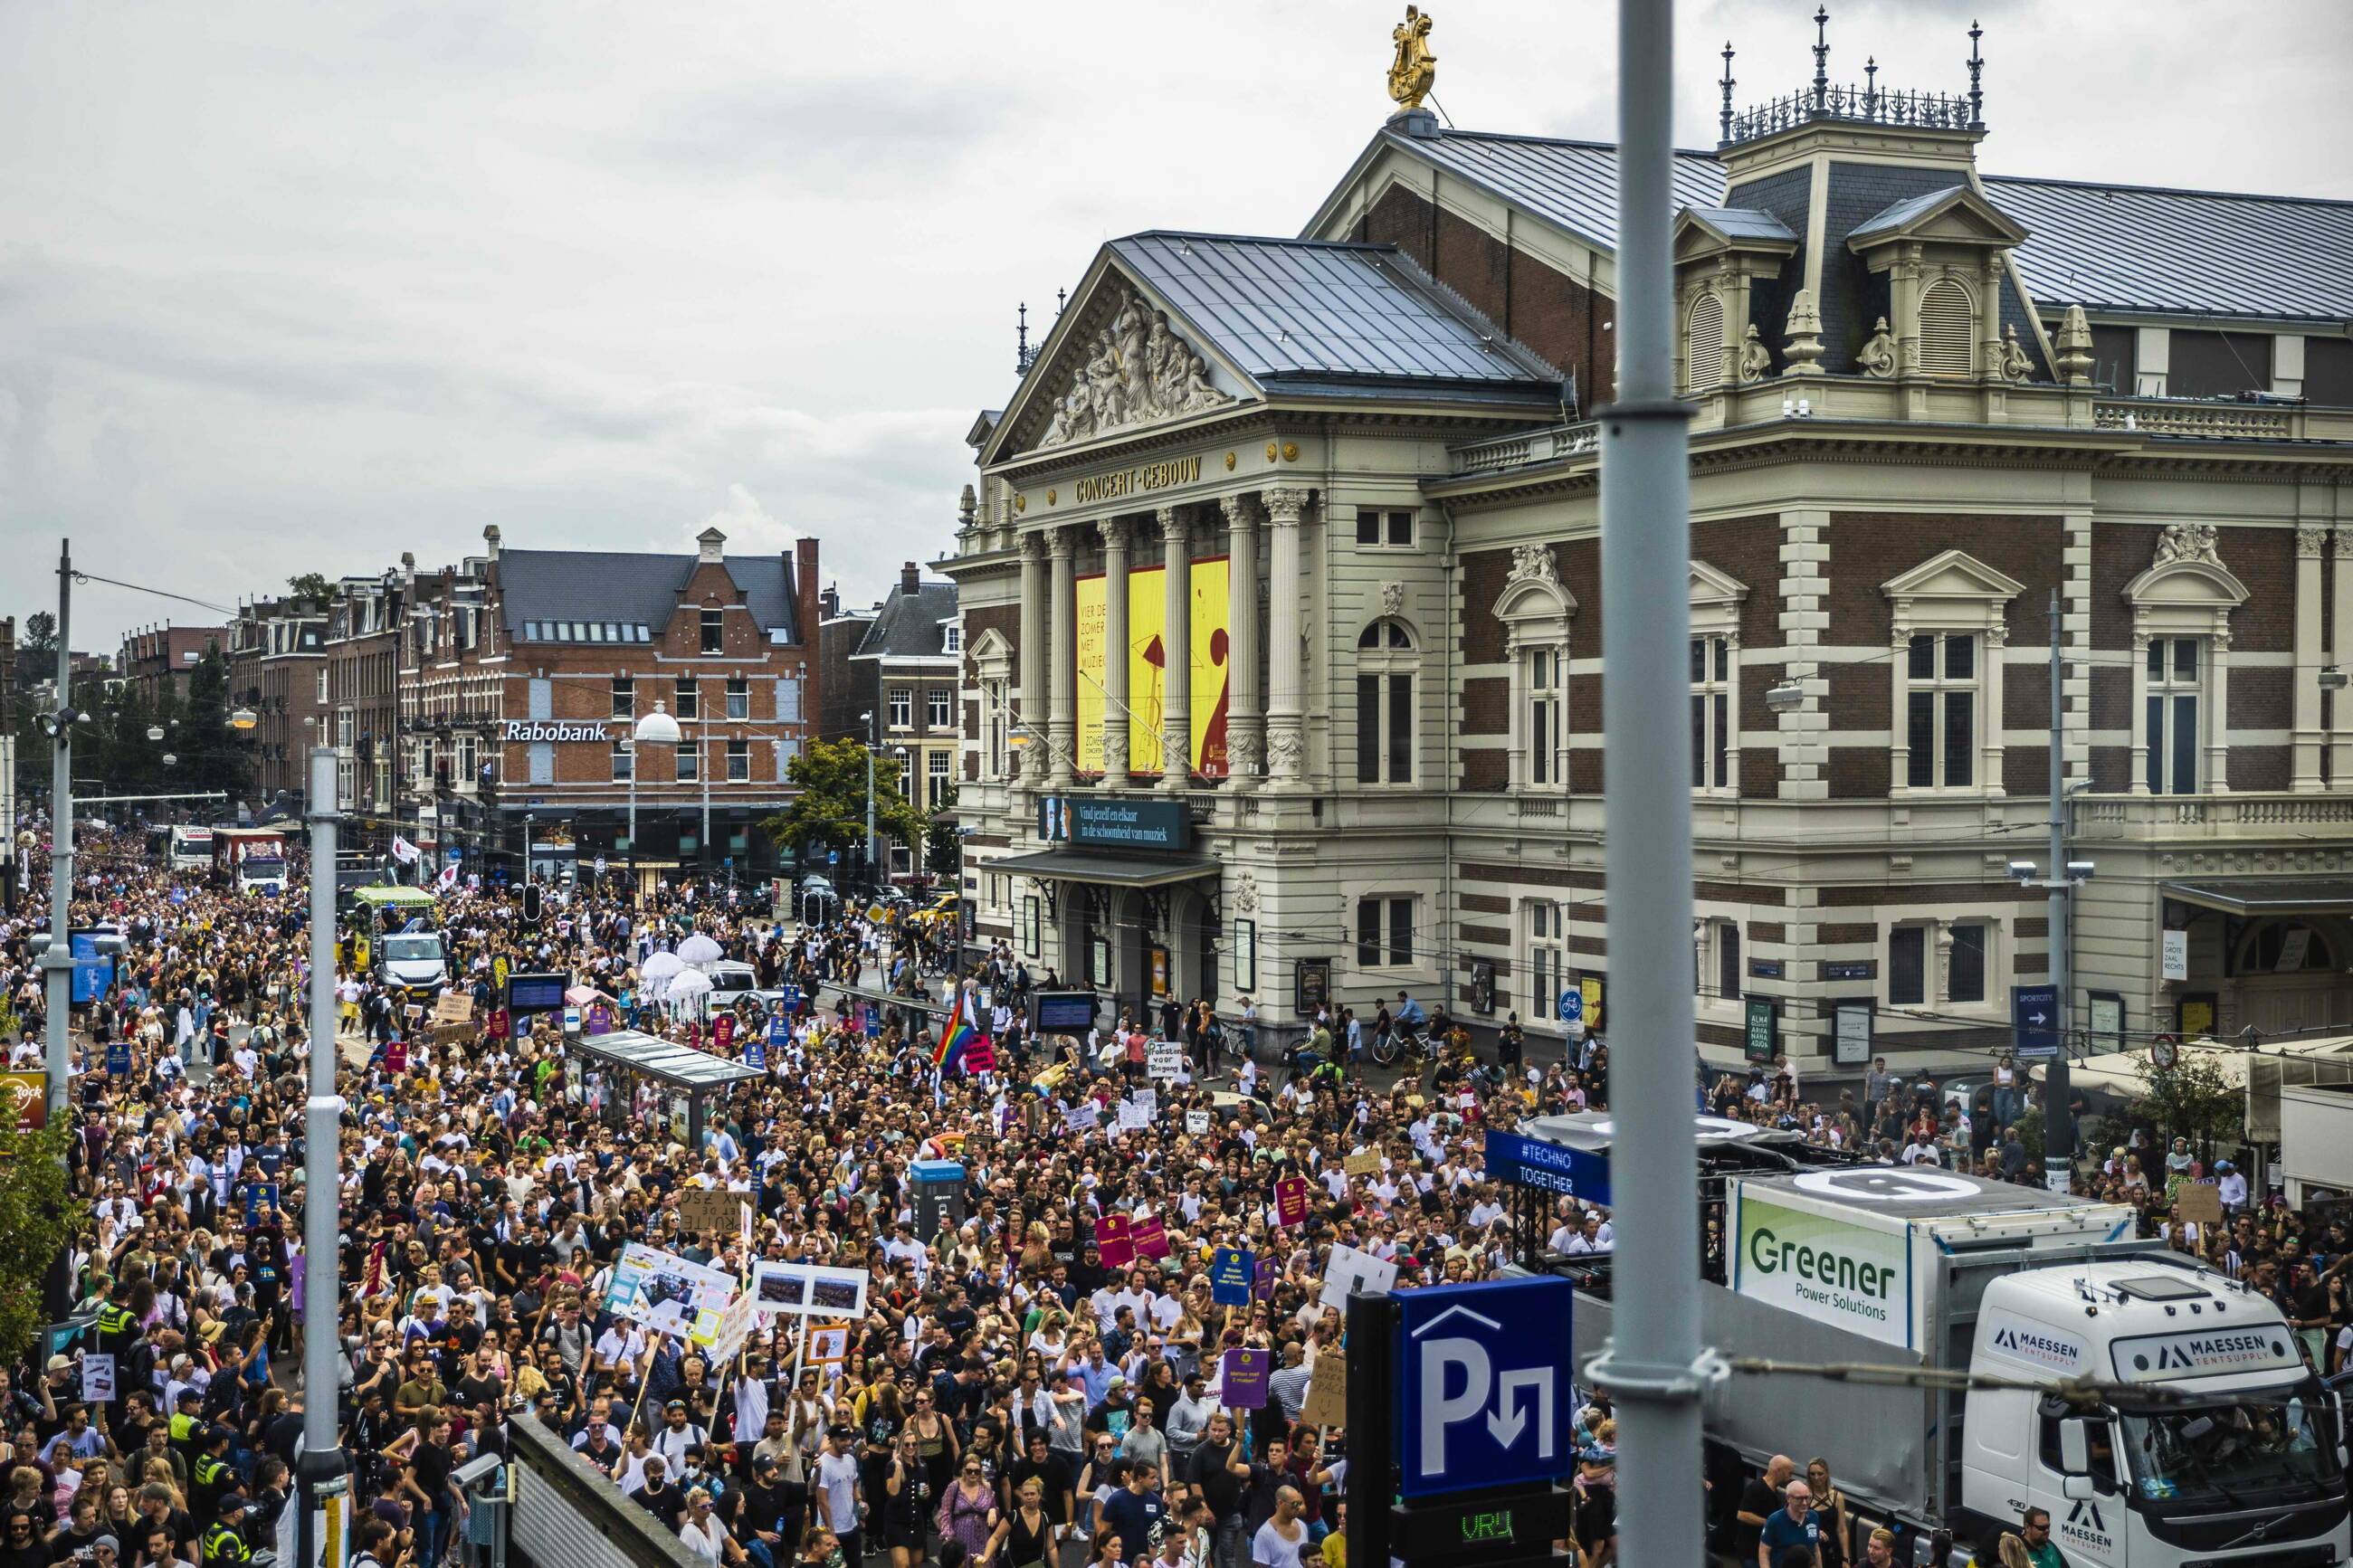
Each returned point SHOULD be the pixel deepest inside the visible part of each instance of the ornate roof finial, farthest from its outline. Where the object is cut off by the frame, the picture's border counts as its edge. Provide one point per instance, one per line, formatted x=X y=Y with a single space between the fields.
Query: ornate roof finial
x=1062 y=297
x=1724 y=120
x=1021 y=354
x=1977 y=90
x=1822 y=57
x=1412 y=67
x=1871 y=88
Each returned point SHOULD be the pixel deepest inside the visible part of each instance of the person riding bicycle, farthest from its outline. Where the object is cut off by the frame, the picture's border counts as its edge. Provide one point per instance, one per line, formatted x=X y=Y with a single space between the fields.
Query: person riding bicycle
x=1411 y=1018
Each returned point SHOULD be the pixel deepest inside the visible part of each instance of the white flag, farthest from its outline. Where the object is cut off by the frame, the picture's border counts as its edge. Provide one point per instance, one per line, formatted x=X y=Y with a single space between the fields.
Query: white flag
x=448 y=877
x=404 y=851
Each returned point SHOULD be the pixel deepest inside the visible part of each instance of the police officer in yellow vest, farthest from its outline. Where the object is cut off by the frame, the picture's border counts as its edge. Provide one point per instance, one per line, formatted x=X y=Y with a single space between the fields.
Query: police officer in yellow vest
x=222 y=1546
x=213 y=1476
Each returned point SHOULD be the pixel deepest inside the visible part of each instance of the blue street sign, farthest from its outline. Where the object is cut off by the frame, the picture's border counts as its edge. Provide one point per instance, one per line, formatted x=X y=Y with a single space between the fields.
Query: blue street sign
x=118 y=1057
x=1232 y=1270
x=1484 y=1385
x=2034 y=1015
x=1553 y=1167
x=1572 y=1005
x=93 y=973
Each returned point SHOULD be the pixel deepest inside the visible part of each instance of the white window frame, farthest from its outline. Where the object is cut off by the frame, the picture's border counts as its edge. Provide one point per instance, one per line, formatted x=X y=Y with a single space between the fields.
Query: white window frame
x=1385 y=904
x=1716 y=601
x=738 y=697
x=689 y=761
x=1951 y=594
x=2191 y=595
x=902 y=711
x=939 y=709
x=992 y=667
x=739 y=760
x=938 y=774
x=686 y=698
x=1537 y=612
x=624 y=759
x=1387 y=663
x=1542 y=946
x=1709 y=935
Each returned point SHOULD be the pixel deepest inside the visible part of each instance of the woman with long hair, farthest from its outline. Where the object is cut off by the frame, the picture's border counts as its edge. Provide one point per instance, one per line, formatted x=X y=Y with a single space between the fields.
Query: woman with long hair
x=1024 y=1538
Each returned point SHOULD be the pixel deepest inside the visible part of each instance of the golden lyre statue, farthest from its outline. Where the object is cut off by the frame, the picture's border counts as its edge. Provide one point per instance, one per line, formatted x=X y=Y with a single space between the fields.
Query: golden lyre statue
x=1414 y=68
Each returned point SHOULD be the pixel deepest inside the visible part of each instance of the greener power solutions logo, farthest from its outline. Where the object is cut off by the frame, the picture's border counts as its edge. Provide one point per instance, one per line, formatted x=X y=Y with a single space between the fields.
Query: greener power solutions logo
x=1826 y=1270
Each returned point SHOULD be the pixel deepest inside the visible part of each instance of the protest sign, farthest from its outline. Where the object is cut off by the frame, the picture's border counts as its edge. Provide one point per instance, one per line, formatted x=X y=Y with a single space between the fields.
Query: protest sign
x=1231 y=1270
x=1327 y=1391
x=1151 y=1237
x=1367 y=1163
x=1112 y=1236
x=1241 y=1378
x=1348 y=1271
x=667 y=1294
x=807 y=1291
x=1198 y=1123
x=2199 y=1202
x=710 y=1209
x=722 y=1032
x=98 y=1377
x=1164 y=1060
x=1290 y=1201
x=453 y=1007
x=827 y=1346
x=1133 y=1117
x=396 y=1057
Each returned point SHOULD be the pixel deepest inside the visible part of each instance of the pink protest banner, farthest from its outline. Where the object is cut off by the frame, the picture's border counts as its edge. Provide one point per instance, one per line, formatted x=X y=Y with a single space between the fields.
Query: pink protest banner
x=1290 y=1201
x=1112 y=1235
x=1151 y=1237
x=980 y=1055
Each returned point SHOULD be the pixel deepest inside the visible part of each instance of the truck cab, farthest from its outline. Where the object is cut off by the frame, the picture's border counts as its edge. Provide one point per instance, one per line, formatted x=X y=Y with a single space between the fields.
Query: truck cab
x=2233 y=1454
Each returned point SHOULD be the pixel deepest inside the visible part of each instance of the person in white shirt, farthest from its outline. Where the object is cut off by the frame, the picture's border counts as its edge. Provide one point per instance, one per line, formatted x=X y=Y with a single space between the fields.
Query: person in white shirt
x=2231 y=1186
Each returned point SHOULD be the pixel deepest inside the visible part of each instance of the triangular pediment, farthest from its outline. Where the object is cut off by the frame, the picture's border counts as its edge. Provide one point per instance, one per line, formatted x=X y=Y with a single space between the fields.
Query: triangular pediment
x=1711 y=231
x=1957 y=215
x=1119 y=360
x=1952 y=574
x=1709 y=586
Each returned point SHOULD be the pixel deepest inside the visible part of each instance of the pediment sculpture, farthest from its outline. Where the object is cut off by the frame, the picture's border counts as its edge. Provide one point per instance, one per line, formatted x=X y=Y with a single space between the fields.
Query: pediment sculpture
x=1136 y=370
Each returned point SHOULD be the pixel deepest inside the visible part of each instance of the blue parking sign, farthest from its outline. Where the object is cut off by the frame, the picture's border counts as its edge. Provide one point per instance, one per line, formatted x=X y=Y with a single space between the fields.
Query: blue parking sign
x=1485 y=1396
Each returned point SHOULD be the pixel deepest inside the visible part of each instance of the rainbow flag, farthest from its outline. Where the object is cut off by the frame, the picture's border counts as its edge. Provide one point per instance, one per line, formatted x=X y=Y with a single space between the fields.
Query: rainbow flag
x=960 y=1044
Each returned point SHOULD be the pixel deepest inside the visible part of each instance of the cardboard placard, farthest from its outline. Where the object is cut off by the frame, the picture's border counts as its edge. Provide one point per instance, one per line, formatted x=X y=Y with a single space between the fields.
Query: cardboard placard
x=2199 y=1202
x=710 y=1209
x=453 y=1007
x=1367 y=1163
x=1290 y=1201
x=1134 y=1117
x=827 y=1347
x=1198 y=1123
x=1327 y=1391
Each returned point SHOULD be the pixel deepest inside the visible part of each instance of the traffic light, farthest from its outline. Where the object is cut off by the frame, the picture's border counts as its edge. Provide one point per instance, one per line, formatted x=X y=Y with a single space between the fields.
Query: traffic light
x=531 y=903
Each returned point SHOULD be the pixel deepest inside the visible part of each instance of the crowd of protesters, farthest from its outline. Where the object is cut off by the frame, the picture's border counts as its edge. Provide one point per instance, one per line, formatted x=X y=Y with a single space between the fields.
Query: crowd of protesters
x=1011 y=1399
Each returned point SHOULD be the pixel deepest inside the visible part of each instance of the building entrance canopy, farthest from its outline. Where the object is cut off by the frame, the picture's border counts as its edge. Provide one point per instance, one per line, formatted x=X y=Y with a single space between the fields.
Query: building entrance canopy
x=2250 y=896
x=1108 y=871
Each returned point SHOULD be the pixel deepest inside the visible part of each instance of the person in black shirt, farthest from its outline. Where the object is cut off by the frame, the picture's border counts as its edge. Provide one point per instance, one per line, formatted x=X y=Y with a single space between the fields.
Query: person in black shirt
x=20 y=1543
x=1041 y=1465
x=1760 y=1500
x=766 y=1513
x=657 y=1496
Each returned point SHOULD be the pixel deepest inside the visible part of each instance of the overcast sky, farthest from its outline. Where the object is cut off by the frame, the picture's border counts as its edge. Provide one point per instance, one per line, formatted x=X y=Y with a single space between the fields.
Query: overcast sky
x=288 y=286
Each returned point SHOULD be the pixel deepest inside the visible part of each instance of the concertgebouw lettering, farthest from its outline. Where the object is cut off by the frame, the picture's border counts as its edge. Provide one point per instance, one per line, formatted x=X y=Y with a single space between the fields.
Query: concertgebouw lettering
x=1131 y=481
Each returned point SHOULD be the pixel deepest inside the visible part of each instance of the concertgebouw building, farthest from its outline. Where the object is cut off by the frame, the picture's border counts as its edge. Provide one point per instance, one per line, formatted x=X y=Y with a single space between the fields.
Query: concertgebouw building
x=1282 y=603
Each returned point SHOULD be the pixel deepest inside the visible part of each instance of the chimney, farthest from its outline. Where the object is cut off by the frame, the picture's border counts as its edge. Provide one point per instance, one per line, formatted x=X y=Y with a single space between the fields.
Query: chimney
x=910 y=580
x=828 y=603
x=708 y=551
x=490 y=540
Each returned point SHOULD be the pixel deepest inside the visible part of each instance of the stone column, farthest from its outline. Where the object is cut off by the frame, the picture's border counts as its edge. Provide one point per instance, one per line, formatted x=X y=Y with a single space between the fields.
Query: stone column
x=1245 y=704
x=2311 y=549
x=2217 y=722
x=1115 y=636
x=1176 y=640
x=1285 y=747
x=1061 y=677
x=2340 y=653
x=1032 y=712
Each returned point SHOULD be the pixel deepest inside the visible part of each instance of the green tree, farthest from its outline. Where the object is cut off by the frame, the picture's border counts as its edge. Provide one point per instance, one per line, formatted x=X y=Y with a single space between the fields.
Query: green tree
x=35 y=1224
x=213 y=755
x=942 y=844
x=41 y=640
x=829 y=812
x=314 y=587
x=2192 y=1100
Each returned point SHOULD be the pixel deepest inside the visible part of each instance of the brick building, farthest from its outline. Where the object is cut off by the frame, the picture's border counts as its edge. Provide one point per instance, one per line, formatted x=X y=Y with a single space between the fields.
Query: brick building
x=154 y=661
x=1335 y=498
x=362 y=704
x=906 y=671
x=278 y=668
x=523 y=672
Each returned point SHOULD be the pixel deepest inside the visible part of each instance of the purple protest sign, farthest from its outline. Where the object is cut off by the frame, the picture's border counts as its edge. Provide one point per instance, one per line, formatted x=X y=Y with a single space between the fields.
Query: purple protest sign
x=1262 y=1281
x=1241 y=1383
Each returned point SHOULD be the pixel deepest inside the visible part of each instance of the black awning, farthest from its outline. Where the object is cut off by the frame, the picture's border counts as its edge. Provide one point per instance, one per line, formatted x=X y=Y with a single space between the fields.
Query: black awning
x=1112 y=870
x=2266 y=895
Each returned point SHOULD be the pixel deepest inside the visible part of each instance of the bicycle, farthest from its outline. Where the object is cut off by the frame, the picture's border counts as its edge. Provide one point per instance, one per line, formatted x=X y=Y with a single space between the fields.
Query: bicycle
x=1400 y=1042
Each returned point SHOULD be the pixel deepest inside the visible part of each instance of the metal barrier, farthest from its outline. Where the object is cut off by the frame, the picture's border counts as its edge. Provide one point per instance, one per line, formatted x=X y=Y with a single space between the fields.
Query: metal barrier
x=566 y=1514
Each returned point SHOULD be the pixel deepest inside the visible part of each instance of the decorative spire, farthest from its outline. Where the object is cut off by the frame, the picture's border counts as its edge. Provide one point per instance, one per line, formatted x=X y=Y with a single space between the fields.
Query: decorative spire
x=1822 y=57
x=1022 y=357
x=1724 y=120
x=1977 y=90
x=1871 y=88
x=1062 y=297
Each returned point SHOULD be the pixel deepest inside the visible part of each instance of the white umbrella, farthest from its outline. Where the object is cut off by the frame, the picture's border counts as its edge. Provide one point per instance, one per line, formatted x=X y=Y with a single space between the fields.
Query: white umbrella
x=660 y=967
x=686 y=985
x=698 y=949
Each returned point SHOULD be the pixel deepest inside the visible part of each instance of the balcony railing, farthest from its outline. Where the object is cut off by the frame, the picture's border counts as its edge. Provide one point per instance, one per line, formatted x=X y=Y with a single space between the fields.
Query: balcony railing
x=2267 y=815
x=1505 y=452
x=2199 y=417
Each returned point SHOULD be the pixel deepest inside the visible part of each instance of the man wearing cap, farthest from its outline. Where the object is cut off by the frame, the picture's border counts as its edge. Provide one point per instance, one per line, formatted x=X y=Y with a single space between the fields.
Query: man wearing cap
x=223 y=1547
x=838 y=1484
x=677 y=1435
x=769 y=1516
x=1115 y=1410
x=213 y=1474
x=2231 y=1186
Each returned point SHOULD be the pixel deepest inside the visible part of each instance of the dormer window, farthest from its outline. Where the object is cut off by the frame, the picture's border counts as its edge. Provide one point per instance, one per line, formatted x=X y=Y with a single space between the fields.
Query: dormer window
x=1704 y=331
x=1946 y=328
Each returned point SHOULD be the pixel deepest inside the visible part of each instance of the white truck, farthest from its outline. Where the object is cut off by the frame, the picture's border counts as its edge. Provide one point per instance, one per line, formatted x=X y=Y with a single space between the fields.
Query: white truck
x=191 y=849
x=253 y=860
x=2234 y=1454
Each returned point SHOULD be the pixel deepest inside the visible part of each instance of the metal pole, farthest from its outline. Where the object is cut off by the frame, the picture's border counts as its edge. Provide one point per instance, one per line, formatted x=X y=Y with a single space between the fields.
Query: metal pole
x=2058 y=1126
x=58 y=959
x=633 y=820
x=703 y=772
x=321 y=1467
x=874 y=850
x=1650 y=1365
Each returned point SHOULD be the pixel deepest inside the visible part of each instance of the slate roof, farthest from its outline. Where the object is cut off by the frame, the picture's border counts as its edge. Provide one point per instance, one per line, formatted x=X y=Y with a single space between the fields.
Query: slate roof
x=2118 y=247
x=629 y=588
x=1329 y=314
x=1744 y=223
x=909 y=624
x=1889 y=218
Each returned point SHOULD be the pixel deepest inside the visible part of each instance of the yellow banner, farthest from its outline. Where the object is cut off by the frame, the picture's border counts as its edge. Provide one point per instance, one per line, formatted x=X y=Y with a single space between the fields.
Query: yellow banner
x=1147 y=671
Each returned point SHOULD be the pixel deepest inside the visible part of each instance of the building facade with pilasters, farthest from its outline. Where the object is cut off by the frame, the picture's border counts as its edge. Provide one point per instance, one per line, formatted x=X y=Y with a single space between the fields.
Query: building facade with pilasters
x=1336 y=498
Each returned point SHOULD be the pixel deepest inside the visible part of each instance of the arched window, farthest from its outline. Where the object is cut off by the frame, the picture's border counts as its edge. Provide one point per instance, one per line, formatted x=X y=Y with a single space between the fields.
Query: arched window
x=1947 y=330
x=1385 y=711
x=1704 y=342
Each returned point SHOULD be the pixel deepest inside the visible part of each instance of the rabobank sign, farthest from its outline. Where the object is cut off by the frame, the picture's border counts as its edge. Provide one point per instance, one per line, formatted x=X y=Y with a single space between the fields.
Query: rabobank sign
x=1826 y=1270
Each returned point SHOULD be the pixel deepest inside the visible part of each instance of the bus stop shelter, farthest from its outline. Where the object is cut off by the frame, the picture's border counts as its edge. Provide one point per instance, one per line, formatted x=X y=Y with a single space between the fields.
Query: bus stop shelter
x=680 y=1072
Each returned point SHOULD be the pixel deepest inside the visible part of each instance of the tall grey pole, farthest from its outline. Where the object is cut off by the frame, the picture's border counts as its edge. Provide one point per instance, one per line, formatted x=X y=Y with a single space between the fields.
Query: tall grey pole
x=58 y=959
x=2058 y=1125
x=874 y=849
x=634 y=759
x=322 y=1470
x=702 y=771
x=1650 y=1364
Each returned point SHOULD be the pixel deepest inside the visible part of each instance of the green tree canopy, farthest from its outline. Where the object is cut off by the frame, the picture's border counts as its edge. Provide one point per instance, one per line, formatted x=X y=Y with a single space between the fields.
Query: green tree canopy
x=315 y=586
x=2192 y=1100
x=35 y=1222
x=831 y=811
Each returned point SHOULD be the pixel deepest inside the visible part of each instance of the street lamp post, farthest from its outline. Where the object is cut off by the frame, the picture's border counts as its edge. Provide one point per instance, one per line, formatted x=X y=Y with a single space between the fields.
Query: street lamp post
x=656 y=729
x=57 y=961
x=873 y=849
x=322 y=1526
